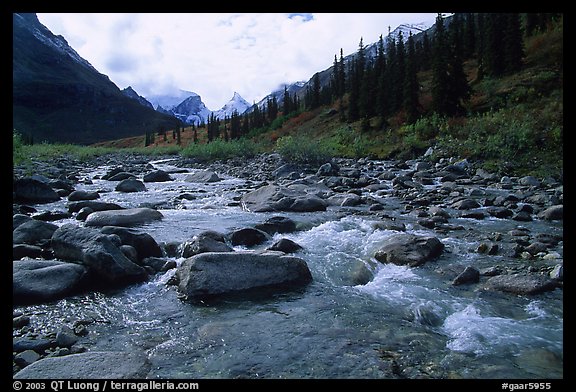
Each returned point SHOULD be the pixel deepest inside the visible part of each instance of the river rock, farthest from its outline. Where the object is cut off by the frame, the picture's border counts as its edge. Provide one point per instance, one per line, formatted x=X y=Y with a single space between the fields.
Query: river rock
x=210 y=274
x=144 y=243
x=121 y=176
x=248 y=236
x=469 y=275
x=409 y=249
x=89 y=365
x=19 y=251
x=157 y=176
x=83 y=213
x=33 y=232
x=18 y=219
x=277 y=198
x=207 y=241
x=29 y=190
x=285 y=245
x=94 y=205
x=96 y=252
x=36 y=281
x=521 y=283
x=125 y=217
x=203 y=176
x=83 y=195
x=466 y=204
x=553 y=213
x=130 y=185
x=65 y=337
x=48 y=216
x=26 y=358
x=277 y=224
x=27 y=343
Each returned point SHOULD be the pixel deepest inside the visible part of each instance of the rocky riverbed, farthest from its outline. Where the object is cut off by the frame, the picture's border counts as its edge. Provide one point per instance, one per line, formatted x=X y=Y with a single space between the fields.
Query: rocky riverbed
x=265 y=269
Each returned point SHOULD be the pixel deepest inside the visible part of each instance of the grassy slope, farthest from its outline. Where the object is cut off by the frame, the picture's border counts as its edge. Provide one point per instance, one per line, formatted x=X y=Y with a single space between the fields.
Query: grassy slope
x=514 y=125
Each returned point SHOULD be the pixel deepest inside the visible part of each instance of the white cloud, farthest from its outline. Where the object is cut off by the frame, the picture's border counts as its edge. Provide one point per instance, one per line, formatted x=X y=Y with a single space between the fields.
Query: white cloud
x=216 y=54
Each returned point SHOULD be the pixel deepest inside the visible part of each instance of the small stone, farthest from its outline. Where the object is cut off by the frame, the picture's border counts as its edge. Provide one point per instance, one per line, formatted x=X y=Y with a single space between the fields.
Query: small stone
x=20 y=321
x=65 y=337
x=26 y=358
x=469 y=275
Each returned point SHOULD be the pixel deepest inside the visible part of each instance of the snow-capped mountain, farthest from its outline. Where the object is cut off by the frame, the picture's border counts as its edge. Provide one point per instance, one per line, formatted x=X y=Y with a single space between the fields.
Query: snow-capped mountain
x=237 y=103
x=130 y=93
x=192 y=110
x=413 y=28
x=170 y=100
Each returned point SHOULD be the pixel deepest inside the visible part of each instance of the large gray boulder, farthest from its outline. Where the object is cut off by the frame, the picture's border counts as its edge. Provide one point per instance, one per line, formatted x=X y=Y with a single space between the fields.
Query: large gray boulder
x=553 y=213
x=277 y=224
x=37 y=281
x=130 y=185
x=33 y=232
x=125 y=217
x=80 y=195
x=157 y=176
x=89 y=365
x=409 y=249
x=207 y=241
x=248 y=236
x=277 y=198
x=524 y=284
x=30 y=190
x=210 y=274
x=97 y=253
x=203 y=176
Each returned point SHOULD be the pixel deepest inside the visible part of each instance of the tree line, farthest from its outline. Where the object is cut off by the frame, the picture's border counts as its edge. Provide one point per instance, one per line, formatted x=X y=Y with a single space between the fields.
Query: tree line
x=386 y=84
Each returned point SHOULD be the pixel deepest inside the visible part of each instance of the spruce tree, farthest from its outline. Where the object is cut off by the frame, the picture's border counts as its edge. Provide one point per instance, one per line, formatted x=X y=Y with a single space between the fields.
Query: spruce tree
x=342 y=74
x=493 y=56
x=315 y=93
x=426 y=57
x=399 y=73
x=411 y=87
x=440 y=56
x=287 y=107
x=513 y=44
x=354 y=87
x=469 y=36
x=334 y=81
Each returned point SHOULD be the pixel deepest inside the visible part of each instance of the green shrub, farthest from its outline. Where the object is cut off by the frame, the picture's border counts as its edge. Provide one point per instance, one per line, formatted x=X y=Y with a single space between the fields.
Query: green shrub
x=220 y=149
x=302 y=149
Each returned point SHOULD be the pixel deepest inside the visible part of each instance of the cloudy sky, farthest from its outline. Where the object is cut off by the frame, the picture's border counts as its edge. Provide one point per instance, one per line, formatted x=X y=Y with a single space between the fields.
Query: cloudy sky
x=217 y=54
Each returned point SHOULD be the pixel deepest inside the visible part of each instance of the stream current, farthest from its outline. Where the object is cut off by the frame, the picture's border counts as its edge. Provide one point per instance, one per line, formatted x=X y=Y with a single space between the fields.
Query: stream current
x=404 y=323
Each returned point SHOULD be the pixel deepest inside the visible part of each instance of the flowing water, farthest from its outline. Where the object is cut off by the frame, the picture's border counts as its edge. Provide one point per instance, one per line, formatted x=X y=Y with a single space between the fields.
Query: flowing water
x=405 y=322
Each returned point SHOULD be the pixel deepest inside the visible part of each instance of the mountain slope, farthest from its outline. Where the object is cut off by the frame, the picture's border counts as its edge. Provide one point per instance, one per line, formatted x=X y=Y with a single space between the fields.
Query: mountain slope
x=130 y=93
x=59 y=97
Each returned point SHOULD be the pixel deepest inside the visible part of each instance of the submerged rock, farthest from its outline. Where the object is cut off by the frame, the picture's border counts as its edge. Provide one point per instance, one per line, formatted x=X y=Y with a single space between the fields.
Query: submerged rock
x=210 y=274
